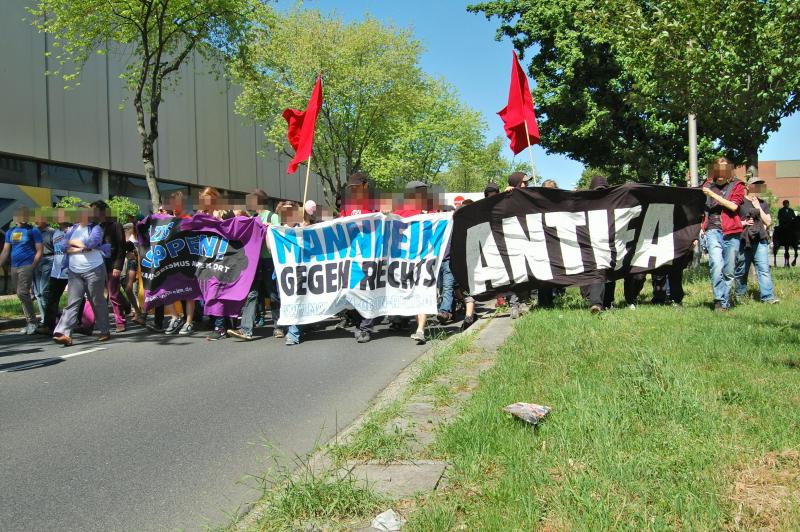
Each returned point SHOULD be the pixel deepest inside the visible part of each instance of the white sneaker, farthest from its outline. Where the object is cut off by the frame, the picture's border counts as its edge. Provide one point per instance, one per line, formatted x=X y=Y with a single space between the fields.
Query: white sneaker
x=632 y=306
x=30 y=328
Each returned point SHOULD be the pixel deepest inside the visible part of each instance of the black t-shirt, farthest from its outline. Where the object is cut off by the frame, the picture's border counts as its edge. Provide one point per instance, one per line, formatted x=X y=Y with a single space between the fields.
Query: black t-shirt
x=714 y=208
x=757 y=231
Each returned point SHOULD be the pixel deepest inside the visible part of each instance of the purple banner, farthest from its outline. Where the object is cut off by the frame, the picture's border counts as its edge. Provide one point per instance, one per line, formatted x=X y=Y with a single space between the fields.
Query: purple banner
x=199 y=258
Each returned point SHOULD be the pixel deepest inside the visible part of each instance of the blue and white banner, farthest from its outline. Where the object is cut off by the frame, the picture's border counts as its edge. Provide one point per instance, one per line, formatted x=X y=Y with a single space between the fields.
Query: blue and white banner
x=377 y=264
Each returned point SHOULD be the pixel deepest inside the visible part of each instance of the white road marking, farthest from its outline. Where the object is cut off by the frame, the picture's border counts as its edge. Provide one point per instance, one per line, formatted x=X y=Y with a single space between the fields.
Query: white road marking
x=51 y=359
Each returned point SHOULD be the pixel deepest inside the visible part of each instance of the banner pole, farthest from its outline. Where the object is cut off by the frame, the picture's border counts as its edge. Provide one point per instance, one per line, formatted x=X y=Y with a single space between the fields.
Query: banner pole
x=530 y=151
x=308 y=170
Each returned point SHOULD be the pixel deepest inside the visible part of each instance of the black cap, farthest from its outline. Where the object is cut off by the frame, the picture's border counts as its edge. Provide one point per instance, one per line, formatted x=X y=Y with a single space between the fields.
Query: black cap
x=412 y=186
x=491 y=187
x=517 y=178
x=357 y=179
x=598 y=181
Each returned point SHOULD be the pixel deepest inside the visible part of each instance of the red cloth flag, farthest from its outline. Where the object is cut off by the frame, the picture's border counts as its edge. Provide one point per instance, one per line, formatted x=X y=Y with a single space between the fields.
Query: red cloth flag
x=519 y=110
x=301 y=127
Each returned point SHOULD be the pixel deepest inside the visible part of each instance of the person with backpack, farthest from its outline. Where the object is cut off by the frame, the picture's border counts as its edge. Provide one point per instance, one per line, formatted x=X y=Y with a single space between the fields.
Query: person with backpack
x=23 y=245
x=722 y=228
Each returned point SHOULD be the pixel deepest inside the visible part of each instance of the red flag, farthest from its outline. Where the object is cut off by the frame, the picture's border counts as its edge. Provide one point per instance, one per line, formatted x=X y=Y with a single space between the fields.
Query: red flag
x=301 y=127
x=519 y=110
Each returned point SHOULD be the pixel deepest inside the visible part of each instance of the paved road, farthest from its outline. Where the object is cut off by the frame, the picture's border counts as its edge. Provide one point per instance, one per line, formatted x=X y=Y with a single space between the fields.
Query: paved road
x=161 y=432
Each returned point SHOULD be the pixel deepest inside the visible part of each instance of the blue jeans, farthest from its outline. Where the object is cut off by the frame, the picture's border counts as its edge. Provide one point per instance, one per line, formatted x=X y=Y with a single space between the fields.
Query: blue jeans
x=722 y=251
x=758 y=255
x=446 y=282
x=41 y=283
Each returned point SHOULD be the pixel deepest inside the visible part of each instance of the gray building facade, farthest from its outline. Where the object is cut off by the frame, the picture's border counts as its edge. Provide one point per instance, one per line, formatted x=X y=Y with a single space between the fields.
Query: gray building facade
x=83 y=141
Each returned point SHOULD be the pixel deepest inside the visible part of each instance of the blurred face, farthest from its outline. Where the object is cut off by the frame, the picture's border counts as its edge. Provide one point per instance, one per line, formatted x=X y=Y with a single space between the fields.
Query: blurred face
x=83 y=215
x=722 y=171
x=62 y=218
x=206 y=203
x=22 y=215
x=292 y=215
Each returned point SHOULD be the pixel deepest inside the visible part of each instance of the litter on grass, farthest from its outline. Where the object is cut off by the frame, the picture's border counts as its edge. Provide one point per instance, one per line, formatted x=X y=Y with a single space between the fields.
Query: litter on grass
x=388 y=521
x=528 y=412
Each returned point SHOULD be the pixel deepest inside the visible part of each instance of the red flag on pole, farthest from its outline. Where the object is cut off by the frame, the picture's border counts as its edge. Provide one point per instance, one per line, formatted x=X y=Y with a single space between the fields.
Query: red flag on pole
x=519 y=111
x=301 y=127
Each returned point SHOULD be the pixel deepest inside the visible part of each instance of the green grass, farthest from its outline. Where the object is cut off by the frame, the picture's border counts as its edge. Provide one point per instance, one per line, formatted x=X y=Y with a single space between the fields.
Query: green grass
x=656 y=413
x=10 y=307
x=372 y=441
x=298 y=499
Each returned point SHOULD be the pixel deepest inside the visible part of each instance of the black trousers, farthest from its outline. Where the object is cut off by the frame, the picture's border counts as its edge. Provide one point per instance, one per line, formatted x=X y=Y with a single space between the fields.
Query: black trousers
x=601 y=294
x=55 y=288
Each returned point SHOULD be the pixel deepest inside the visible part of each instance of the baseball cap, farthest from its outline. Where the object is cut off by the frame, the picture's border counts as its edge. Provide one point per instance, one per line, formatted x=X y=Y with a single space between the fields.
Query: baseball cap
x=412 y=186
x=357 y=179
x=491 y=187
x=517 y=178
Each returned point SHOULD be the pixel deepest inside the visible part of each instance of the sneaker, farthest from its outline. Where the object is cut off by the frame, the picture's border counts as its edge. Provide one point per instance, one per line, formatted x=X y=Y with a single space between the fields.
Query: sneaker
x=718 y=307
x=155 y=328
x=419 y=337
x=632 y=306
x=261 y=322
x=66 y=341
x=174 y=326
x=515 y=312
x=468 y=321
x=29 y=329
x=217 y=334
x=103 y=337
x=772 y=301
x=362 y=337
x=444 y=317
x=278 y=333
x=44 y=329
x=342 y=324
x=291 y=341
x=239 y=333
x=120 y=328
x=187 y=329
x=595 y=309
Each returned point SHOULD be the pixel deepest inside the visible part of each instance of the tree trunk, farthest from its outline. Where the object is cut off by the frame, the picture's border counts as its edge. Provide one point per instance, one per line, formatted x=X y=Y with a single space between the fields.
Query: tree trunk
x=150 y=173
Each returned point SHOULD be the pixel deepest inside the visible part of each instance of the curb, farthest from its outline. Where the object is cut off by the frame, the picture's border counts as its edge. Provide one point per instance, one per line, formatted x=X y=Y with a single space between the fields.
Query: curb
x=318 y=460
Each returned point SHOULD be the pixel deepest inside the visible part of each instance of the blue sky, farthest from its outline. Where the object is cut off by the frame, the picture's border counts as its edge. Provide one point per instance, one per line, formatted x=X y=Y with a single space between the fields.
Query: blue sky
x=461 y=47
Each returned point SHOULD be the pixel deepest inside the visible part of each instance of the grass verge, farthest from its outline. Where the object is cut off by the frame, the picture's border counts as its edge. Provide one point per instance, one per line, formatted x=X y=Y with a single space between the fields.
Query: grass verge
x=659 y=413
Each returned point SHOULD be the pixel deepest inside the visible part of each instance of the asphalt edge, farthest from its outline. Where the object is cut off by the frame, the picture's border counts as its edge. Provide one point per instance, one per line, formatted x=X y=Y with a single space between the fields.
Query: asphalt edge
x=318 y=460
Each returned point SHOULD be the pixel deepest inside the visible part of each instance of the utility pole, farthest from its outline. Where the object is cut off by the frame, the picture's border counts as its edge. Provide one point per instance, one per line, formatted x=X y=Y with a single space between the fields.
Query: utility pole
x=693 y=177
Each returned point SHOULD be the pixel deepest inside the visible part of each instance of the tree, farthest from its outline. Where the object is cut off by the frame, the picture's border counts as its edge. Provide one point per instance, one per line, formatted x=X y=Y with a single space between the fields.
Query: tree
x=439 y=130
x=733 y=63
x=371 y=78
x=159 y=34
x=584 y=96
x=123 y=208
x=69 y=202
x=476 y=167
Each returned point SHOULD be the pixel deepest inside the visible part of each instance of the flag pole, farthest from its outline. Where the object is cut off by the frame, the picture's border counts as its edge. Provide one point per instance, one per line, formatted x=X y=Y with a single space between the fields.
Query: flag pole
x=305 y=190
x=530 y=151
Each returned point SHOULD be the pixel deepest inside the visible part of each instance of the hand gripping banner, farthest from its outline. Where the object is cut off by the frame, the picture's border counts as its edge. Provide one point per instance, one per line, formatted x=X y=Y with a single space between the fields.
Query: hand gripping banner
x=199 y=258
x=541 y=236
x=379 y=265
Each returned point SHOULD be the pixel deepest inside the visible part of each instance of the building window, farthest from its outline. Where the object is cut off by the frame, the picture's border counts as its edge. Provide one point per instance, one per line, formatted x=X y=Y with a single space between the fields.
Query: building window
x=16 y=171
x=68 y=178
x=128 y=186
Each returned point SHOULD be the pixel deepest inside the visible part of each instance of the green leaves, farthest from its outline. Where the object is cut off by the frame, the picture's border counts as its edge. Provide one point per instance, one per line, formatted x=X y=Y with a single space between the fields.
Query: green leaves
x=380 y=112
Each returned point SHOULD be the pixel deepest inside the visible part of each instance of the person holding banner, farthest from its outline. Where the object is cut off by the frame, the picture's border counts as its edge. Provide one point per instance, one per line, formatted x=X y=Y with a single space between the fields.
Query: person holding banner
x=600 y=295
x=358 y=200
x=722 y=227
x=263 y=284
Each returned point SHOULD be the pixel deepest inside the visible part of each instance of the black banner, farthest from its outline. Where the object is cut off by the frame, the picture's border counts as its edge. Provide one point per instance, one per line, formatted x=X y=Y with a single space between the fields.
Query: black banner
x=541 y=236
